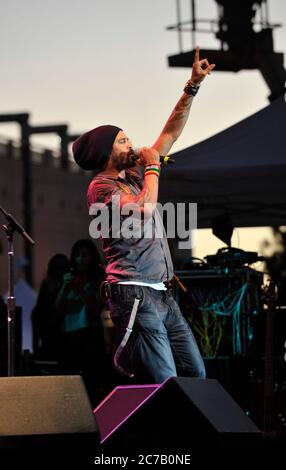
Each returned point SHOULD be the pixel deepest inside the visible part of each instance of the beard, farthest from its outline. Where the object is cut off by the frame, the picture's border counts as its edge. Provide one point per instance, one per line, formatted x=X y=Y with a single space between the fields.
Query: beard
x=123 y=161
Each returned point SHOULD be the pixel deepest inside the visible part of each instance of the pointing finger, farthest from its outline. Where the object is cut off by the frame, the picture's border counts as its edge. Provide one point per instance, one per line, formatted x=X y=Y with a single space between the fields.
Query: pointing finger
x=197 y=54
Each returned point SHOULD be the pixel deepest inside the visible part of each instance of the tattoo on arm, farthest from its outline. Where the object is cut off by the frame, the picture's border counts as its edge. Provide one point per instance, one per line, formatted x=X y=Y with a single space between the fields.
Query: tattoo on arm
x=181 y=109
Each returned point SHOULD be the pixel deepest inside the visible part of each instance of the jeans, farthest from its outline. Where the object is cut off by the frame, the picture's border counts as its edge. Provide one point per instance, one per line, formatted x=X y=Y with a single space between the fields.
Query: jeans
x=161 y=344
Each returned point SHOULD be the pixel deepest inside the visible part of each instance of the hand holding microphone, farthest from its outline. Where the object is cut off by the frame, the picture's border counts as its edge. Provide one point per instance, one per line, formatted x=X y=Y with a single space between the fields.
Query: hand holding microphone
x=147 y=155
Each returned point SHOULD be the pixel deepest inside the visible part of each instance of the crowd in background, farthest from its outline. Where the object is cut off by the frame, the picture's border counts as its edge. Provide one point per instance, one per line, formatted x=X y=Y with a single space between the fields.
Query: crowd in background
x=71 y=322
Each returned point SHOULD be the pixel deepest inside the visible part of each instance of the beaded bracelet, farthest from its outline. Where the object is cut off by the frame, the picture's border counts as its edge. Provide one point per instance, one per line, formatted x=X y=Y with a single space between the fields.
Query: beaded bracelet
x=191 y=89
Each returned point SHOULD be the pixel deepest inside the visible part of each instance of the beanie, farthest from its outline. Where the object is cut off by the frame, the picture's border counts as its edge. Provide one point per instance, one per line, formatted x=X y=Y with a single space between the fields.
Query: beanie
x=92 y=149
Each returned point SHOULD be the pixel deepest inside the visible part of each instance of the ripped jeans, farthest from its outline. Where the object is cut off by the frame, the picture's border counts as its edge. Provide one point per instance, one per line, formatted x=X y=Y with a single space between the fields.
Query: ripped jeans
x=161 y=343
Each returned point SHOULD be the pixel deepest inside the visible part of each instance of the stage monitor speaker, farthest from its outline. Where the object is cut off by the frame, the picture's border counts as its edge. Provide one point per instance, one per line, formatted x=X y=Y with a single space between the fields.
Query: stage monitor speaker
x=182 y=413
x=121 y=403
x=46 y=411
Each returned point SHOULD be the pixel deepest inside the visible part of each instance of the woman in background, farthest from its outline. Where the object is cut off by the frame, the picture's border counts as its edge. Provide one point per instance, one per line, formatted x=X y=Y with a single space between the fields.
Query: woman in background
x=79 y=306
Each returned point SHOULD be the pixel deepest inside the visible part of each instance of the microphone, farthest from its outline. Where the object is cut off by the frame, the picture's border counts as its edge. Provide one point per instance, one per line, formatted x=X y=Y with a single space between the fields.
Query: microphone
x=164 y=159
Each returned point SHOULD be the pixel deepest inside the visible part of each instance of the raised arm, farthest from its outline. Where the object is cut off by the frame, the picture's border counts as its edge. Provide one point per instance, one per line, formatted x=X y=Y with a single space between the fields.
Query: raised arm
x=147 y=198
x=179 y=116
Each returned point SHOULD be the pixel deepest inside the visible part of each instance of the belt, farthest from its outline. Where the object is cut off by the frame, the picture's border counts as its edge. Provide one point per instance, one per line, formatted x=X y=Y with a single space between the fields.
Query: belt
x=115 y=288
x=112 y=288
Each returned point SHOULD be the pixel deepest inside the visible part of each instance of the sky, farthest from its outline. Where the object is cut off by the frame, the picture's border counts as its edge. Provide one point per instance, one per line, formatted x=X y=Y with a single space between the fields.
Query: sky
x=92 y=62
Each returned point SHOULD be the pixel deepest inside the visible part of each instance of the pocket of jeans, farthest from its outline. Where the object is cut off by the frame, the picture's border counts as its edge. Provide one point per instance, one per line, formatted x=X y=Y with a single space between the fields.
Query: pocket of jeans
x=120 y=313
x=122 y=303
x=131 y=293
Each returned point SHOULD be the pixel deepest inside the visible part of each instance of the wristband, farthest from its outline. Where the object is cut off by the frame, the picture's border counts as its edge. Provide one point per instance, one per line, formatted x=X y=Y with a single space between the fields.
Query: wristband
x=152 y=171
x=191 y=89
x=154 y=163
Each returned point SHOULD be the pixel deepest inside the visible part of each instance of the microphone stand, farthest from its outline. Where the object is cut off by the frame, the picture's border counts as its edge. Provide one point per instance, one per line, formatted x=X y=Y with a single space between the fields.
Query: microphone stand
x=10 y=228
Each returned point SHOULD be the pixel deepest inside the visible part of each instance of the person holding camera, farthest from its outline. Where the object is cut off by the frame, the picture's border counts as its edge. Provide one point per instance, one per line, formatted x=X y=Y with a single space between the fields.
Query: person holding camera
x=79 y=307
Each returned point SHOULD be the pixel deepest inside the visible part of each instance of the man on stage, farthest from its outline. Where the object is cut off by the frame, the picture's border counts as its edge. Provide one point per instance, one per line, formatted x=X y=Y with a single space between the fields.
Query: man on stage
x=154 y=341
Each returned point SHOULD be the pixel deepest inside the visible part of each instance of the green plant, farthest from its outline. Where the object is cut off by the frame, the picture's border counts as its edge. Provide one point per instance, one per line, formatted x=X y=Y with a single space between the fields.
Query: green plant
x=210 y=329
